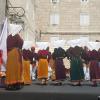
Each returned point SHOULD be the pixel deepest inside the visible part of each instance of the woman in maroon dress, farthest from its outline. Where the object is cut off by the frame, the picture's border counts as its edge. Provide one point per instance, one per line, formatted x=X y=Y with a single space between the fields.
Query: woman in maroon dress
x=94 y=67
x=58 y=55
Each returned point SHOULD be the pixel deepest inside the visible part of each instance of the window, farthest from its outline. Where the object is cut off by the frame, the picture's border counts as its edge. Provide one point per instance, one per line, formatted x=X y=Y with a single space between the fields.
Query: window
x=84 y=1
x=84 y=19
x=54 y=19
x=55 y=1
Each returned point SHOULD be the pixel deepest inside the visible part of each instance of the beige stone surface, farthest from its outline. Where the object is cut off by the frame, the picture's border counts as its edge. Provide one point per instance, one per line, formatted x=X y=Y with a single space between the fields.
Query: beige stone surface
x=2 y=13
x=38 y=19
x=69 y=11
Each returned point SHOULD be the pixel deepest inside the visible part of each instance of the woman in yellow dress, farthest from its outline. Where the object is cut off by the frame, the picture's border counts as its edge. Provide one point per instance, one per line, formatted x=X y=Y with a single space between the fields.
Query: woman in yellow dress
x=43 y=66
x=26 y=67
x=14 y=59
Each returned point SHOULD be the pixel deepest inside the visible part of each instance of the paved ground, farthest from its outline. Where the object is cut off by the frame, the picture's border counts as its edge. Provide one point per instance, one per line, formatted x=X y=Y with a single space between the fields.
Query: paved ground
x=64 y=92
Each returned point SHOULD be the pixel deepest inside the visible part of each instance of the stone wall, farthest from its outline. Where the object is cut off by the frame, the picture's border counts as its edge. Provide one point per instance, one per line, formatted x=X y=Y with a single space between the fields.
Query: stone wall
x=2 y=12
x=69 y=11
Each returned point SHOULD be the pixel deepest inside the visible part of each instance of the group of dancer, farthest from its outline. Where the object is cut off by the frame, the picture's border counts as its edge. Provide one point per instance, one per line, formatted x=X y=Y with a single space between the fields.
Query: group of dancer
x=17 y=73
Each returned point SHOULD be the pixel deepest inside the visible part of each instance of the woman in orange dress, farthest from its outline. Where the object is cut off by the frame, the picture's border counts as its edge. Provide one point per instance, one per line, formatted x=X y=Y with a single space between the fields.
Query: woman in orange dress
x=42 y=70
x=26 y=67
x=14 y=62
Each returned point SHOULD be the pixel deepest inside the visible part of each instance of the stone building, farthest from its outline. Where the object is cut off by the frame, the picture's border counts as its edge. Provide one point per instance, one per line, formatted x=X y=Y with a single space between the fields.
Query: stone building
x=68 y=19
x=65 y=19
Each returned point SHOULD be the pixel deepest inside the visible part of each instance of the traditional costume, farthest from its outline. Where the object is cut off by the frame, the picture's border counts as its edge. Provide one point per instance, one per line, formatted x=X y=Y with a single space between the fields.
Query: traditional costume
x=76 y=65
x=14 y=67
x=94 y=67
x=58 y=56
x=42 y=70
x=26 y=67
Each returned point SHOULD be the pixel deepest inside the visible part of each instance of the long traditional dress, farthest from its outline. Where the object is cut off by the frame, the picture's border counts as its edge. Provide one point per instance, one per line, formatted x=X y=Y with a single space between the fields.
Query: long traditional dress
x=43 y=64
x=26 y=67
x=58 y=55
x=94 y=66
x=14 y=62
x=76 y=70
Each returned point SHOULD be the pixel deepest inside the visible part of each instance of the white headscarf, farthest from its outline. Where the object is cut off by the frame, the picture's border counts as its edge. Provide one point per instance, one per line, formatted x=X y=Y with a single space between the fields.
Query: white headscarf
x=93 y=45
x=42 y=45
x=27 y=45
x=14 y=29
